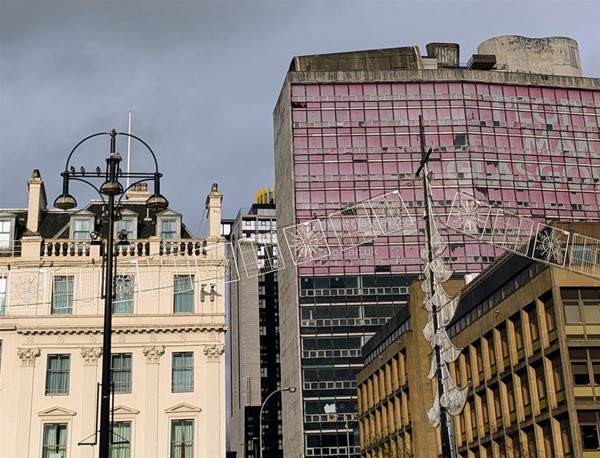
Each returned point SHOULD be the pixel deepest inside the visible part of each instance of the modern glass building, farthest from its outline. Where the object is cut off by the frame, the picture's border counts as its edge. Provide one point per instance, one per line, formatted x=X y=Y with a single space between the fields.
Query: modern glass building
x=507 y=128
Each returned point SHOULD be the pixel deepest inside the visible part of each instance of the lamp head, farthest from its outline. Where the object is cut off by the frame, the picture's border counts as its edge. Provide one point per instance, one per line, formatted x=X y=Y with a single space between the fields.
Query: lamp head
x=157 y=202
x=291 y=389
x=65 y=202
x=111 y=188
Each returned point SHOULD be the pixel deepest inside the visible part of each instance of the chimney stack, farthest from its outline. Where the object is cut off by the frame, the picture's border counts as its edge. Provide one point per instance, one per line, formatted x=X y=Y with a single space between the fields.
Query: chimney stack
x=37 y=201
x=213 y=207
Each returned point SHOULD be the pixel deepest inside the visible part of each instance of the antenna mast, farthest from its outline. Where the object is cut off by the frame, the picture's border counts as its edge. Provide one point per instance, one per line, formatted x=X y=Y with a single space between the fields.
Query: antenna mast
x=128 y=148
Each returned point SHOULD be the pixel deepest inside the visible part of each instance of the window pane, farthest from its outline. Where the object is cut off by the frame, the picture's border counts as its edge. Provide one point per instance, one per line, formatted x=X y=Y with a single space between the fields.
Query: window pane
x=4 y=235
x=81 y=229
x=581 y=374
x=62 y=295
x=121 y=440
x=2 y=294
x=183 y=294
x=168 y=229
x=57 y=374
x=121 y=372
x=572 y=313
x=182 y=438
x=589 y=437
x=55 y=440
x=183 y=372
x=124 y=287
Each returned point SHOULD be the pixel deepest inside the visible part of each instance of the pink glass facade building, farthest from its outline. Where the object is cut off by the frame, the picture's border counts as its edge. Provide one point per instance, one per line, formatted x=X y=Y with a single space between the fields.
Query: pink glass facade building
x=528 y=143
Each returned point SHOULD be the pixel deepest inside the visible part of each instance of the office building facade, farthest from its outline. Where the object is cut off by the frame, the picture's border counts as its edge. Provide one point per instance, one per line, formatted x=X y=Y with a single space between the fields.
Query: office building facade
x=507 y=129
x=168 y=323
x=530 y=359
x=254 y=341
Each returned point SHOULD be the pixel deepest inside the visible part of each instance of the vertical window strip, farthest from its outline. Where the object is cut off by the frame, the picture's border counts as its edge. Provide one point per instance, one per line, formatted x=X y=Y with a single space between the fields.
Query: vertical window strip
x=183 y=372
x=3 y=282
x=62 y=295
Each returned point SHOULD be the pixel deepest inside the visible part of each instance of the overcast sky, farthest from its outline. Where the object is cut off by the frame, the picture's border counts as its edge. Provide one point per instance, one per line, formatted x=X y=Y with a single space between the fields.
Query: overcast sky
x=202 y=77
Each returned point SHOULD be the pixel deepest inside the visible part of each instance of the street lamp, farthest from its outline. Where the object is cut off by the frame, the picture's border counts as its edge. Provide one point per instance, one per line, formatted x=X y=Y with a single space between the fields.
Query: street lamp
x=110 y=187
x=291 y=389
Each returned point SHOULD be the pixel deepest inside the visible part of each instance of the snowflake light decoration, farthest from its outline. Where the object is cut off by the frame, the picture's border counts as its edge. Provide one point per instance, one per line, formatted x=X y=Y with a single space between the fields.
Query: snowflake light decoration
x=550 y=245
x=391 y=209
x=307 y=241
x=469 y=216
x=124 y=286
x=25 y=290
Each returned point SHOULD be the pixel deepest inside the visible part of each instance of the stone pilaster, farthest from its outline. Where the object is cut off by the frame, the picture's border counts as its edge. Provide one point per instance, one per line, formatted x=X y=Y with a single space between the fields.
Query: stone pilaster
x=152 y=354
x=28 y=357
x=215 y=370
x=89 y=395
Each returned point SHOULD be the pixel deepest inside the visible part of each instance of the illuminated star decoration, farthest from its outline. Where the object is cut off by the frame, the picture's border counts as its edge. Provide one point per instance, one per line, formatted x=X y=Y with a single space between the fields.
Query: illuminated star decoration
x=551 y=246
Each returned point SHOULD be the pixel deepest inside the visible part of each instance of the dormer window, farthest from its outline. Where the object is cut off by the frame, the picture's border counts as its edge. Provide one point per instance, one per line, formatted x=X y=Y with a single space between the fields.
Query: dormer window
x=7 y=231
x=168 y=228
x=82 y=224
x=168 y=225
x=128 y=222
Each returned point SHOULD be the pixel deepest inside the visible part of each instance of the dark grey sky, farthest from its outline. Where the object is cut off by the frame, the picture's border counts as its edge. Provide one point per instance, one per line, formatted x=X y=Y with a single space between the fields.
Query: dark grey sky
x=202 y=77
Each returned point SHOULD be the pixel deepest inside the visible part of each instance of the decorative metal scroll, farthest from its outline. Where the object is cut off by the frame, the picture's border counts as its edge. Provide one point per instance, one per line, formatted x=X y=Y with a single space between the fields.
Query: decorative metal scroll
x=524 y=236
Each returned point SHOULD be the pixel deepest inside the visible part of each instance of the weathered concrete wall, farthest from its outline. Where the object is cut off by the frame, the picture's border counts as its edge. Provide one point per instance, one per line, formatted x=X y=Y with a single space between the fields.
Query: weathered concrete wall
x=550 y=56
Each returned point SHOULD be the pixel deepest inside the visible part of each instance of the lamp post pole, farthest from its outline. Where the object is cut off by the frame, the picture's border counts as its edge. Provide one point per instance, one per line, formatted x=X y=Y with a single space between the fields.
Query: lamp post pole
x=291 y=389
x=105 y=429
x=110 y=188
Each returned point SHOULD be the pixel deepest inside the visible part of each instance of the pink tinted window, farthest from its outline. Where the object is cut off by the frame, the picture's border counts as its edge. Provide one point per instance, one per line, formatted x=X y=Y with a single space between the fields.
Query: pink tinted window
x=341 y=89
x=398 y=89
x=326 y=90
x=355 y=89
x=298 y=90
x=312 y=91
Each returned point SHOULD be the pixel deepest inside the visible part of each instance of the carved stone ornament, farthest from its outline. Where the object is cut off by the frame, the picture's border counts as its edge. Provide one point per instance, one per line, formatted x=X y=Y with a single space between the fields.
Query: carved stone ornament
x=91 y=355
x=28 y=355
x=153 y=353
x=214 y=352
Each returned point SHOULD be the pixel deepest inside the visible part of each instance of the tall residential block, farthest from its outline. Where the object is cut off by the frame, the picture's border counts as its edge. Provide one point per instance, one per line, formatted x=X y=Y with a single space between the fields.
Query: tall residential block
x=507 y=128
x=168 y=330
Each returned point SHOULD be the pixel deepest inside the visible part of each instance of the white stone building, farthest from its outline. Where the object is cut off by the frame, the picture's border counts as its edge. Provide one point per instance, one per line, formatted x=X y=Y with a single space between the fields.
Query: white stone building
x=168 y=336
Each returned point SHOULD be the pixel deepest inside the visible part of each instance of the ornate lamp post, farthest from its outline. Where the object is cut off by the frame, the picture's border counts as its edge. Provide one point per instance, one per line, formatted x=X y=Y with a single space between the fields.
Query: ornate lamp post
x=111 y=187
x=291 y=389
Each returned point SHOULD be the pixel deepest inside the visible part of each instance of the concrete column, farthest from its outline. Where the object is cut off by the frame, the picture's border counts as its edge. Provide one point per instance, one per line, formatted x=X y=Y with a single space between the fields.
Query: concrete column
x=24 y=413
x=152 y=354
x=215 y=370
x=89 y=399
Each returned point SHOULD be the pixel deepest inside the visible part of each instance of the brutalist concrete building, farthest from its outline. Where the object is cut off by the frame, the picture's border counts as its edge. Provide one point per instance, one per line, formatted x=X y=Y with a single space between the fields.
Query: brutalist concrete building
x=516 y=127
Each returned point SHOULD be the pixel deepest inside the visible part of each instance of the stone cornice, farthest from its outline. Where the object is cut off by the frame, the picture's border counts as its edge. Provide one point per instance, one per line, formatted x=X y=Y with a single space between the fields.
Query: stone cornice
x=140 y=329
